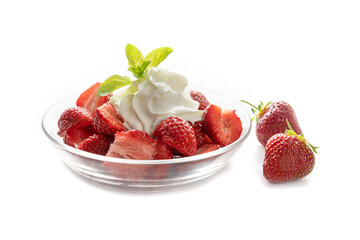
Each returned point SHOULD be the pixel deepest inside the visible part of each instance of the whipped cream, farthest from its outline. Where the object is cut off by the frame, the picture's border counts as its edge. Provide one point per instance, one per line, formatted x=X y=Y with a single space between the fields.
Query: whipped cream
x=162 y=94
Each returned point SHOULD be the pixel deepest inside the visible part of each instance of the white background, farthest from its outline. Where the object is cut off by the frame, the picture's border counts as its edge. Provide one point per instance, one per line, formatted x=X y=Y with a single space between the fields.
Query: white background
x=304 y=52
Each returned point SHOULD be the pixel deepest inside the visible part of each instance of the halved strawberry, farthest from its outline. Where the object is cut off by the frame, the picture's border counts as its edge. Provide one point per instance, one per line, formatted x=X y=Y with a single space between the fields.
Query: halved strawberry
x=90 y=101
x=207 y=148
x=199 y=97
x=75 y=117
x=107 y=121
x=75 y=136
x=132 y=144
x=199 y=132
x=221 y=125
x=163 y=151
x=178 y=134
x=96 y=143
x=135 y=144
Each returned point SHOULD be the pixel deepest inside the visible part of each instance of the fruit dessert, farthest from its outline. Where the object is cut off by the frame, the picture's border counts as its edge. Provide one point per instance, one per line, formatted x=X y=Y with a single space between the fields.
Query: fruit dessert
x=156 y=116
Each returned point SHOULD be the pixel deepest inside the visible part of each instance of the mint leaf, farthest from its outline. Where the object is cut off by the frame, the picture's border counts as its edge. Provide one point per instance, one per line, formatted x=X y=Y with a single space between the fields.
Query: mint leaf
x=111 y=84
x=157 y=56
x=144 y=65
x=139 y=71
x=134 y=56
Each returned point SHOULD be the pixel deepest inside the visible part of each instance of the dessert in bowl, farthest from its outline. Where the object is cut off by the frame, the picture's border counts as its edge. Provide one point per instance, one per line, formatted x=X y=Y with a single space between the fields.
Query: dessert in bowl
x=151 y=134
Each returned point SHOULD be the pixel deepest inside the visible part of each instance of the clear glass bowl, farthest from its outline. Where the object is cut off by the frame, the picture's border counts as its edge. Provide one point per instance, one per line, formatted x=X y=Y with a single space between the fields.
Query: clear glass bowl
x=145 y=175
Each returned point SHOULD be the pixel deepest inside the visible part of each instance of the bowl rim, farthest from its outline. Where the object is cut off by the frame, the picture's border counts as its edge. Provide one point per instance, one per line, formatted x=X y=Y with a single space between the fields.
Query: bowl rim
x=60 y=144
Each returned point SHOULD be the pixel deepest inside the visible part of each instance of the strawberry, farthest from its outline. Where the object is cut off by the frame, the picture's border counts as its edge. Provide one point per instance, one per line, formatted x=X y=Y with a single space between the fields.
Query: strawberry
x=199 y=132
x=132 y=144
x=271 y=119
x=199 y=97
x=96 y=143
x=178 y=134
x=136 y=144
x=221 y=125
x=107 y=121
x=90 y=101
x=75 y=136
x=205 y=148
x=288 y=156
x=163 y=151
x=75 y=117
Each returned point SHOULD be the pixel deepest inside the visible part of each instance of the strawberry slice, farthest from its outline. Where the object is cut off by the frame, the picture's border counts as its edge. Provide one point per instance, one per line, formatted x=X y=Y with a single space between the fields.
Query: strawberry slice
x=163 y=151
x=90 y=101
x=96 y=143
x=75 y=136
x=136 y=144
x=207 y=148
x=199 y=132
x=75 y=117
x=199 y=97
x=221 y=125
x=107 y=121
x=132 y=144
x=178 y=134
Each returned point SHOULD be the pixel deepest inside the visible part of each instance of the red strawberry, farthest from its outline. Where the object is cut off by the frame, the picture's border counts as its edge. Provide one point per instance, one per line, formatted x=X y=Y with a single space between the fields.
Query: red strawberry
x=90 y=101
x=97 y=143
x=271 y=119
x=199 y=97
x=135 y=144
x=75 y=136
x=178 y=134
x=205 y=148
x=288 y=157
x=107 y=121
x=221 y=125
x=163 y=151
x=132 y=144
x=75 y=117
x=199 y=132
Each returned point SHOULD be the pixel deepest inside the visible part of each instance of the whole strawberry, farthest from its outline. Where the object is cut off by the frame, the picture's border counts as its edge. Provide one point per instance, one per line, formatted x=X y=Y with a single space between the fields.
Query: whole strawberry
x=271 y=119
x=288 y=156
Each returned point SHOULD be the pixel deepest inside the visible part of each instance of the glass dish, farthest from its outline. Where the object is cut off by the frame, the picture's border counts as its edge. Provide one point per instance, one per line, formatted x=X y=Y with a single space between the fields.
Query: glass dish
x=146 y=175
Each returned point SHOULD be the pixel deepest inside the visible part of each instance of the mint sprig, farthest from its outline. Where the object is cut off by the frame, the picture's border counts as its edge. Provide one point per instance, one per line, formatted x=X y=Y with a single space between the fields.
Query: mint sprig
x=138 y=65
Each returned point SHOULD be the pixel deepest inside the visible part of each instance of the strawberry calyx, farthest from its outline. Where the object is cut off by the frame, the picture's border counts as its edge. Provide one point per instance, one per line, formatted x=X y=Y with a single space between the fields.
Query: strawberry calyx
x=291 y=132
x=259 y=110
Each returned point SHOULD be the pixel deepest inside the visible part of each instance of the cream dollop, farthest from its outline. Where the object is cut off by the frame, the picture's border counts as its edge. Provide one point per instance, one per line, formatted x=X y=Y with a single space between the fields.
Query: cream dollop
x=160 y=95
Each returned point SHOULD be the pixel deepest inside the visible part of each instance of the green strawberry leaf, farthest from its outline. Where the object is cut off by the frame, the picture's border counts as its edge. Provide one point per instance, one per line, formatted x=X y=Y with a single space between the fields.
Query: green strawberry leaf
x=112 y=83
x=157 y=56
x=134 y=56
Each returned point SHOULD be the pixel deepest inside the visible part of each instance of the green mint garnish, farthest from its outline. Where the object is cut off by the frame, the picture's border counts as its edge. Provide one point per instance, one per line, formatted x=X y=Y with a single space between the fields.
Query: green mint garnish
x=138 y=65
x=112 y=83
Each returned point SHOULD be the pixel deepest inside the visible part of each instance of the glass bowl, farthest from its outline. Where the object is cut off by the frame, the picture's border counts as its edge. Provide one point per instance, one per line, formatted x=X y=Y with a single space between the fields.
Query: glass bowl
x=146 y=175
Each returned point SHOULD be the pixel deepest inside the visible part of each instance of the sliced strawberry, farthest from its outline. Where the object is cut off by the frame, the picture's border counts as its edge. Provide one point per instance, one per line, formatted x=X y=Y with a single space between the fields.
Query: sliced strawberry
x=90 y=101
x=96 y=143
x=221 y=125
x=163 y=151
x=178 y=134
x=199 y=97
x=132 y=144
x=207 y=148
x=75 y=117
x=135 y=144
x=199 y=132
x=75 y=136
x=107 y=121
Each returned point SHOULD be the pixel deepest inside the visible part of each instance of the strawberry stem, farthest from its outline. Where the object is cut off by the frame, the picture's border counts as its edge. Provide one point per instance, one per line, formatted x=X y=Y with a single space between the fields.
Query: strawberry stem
x=291 y=131
x=257 y=110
